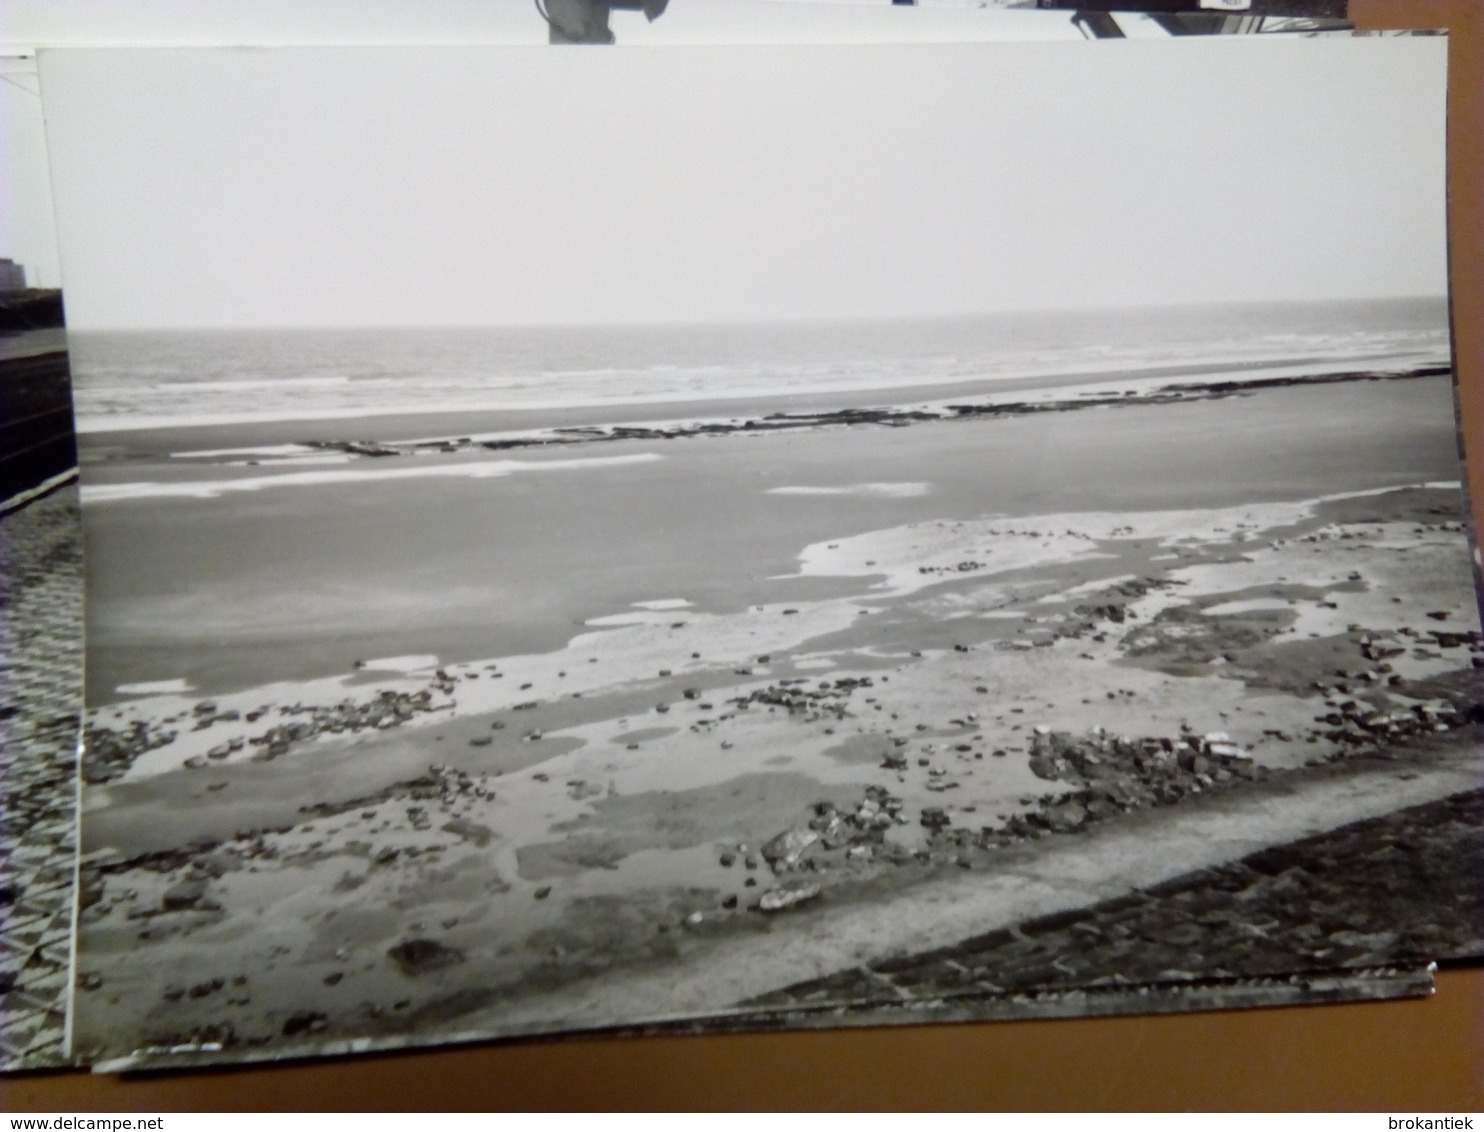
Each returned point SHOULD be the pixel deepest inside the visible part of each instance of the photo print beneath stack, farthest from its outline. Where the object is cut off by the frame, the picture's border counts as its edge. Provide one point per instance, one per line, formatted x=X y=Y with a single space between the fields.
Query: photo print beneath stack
x=689 y=22
x=599 y=541
x=1118 y=19
x=40 y=599
x=1091 y=19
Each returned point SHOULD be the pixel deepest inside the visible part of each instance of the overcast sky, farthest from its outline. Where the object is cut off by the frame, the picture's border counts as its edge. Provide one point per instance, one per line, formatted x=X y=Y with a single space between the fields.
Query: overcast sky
x=525 y=185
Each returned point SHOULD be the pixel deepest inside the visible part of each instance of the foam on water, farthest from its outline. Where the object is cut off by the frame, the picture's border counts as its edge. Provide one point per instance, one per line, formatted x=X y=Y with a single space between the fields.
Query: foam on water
x=155 y=688
x=293 y=461
x=863 y=490
x=269 y=450
x=153 y=379
x=212 y=489
x=403 y=664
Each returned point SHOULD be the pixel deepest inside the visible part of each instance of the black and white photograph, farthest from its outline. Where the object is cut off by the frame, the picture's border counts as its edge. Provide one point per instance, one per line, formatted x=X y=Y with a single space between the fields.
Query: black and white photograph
x=720 y=537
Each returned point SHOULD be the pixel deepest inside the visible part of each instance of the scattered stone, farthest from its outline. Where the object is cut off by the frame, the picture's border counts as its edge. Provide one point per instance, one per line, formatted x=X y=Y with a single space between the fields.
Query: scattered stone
x=305 y=1022
x=420 y=956
x=183 y=896
x=934 y=818
x=784 y=851
x=787 y=896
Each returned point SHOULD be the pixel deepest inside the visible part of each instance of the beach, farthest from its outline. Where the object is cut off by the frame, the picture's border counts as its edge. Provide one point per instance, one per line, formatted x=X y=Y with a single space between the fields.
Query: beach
x=417 y=729
x=313 y=574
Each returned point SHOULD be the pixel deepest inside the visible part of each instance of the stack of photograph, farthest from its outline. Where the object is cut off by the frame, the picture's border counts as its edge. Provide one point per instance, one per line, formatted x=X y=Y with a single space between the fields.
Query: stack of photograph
x=703 y=537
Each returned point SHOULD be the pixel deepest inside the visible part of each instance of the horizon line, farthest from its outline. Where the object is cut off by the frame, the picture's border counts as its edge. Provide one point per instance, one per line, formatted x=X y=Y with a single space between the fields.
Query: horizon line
x=778 y=320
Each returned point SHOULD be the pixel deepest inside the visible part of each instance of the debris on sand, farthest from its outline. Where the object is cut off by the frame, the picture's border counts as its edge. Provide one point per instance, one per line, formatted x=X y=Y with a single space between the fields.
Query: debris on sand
x=420 y=956
x=1017 y=769
x=183 y=896
x=787 y=896
x=305 y=1022
x=892 y=416
x=783 y=852
x=828 y=699
x=934 y=818
x=109 y=753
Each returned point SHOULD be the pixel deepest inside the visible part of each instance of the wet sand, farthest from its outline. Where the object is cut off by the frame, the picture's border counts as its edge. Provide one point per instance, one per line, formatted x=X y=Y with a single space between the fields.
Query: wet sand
x=297 y=583
x=709 y=781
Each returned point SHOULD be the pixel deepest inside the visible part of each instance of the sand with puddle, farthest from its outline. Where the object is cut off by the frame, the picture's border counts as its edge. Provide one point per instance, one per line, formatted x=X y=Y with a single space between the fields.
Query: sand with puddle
x=582 y=836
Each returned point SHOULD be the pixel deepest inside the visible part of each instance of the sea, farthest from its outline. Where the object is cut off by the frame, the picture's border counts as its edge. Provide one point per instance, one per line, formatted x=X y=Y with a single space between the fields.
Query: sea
x=296 y=573
x=150 y=378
